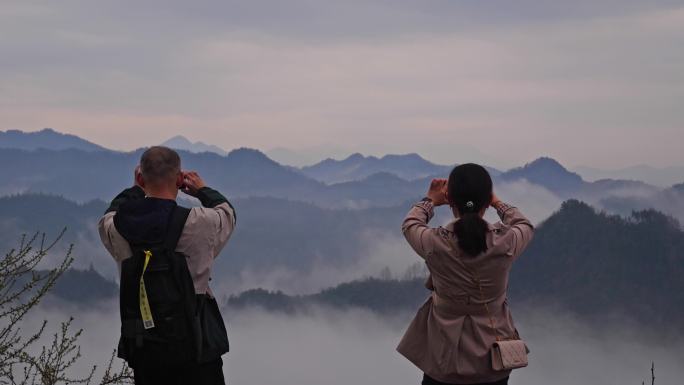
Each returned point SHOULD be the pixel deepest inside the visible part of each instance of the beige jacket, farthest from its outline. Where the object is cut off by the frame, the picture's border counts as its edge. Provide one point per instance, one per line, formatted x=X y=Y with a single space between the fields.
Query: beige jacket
x=206 y=232
x=450 y=337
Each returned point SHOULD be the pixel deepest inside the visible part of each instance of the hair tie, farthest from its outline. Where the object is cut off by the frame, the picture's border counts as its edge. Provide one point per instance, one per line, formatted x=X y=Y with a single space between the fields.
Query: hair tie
x=470 y=205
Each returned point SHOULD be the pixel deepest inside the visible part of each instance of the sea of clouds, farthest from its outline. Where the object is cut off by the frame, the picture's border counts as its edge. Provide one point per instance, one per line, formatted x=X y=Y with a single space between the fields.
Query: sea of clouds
x=335 y=347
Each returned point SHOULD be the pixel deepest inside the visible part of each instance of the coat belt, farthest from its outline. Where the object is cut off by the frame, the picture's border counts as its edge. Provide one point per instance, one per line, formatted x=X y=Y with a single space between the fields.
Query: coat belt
x=450 y=307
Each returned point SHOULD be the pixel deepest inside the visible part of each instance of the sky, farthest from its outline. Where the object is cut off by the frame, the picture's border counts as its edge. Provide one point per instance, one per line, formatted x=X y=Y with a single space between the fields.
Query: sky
x=594 y=83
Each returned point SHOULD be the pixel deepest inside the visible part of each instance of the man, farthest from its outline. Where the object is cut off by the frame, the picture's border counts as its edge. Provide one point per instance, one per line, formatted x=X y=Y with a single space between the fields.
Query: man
x=144 y=215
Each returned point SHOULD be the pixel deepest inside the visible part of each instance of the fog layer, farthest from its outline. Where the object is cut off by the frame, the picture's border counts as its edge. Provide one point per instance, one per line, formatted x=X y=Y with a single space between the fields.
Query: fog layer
x=356 y=347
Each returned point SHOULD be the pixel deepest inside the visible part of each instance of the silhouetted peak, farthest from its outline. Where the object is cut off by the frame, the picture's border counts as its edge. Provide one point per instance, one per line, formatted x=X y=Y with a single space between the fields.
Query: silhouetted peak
x=576 y=206
x=572 y=213
x=578 y=213
x=412 y=156
x=49 y=132
x=249 y=155
x=180 y=142
x=409 y=158
x=546 y=164
x=47 y=138
x=549 y=173
x=43 y=131
x=178 y=139
x=357 y=156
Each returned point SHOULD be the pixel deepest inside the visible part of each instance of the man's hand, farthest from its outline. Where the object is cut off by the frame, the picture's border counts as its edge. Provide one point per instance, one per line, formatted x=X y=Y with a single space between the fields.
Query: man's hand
x=438 y=192
x=192 y=183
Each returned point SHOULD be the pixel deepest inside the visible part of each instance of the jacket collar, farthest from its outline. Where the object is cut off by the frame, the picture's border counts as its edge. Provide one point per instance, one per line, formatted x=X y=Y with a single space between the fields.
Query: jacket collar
x=144 y=221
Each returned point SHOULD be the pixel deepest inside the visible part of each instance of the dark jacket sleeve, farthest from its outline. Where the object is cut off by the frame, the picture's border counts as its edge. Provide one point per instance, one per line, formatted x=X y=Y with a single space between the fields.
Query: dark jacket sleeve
x=129 y=194
x=211 y=198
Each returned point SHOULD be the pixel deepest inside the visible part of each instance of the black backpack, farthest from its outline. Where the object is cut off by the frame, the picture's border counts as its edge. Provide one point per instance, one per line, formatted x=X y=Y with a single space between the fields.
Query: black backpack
x=156 y=282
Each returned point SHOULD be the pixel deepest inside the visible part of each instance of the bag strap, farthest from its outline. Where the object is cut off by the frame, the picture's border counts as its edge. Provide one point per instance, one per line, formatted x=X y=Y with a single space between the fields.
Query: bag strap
x=174 y=229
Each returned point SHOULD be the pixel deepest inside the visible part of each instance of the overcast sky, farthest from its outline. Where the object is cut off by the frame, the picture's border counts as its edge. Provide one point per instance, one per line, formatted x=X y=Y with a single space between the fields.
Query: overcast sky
x=588 y=82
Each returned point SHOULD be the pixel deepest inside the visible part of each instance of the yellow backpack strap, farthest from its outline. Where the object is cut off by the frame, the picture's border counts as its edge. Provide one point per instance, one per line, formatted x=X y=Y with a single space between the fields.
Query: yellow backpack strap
x=176 y=224
x=145 y=310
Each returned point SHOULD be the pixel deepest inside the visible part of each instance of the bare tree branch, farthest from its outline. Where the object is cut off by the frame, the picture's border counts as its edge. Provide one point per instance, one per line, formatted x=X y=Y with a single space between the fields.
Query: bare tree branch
x=22 y=288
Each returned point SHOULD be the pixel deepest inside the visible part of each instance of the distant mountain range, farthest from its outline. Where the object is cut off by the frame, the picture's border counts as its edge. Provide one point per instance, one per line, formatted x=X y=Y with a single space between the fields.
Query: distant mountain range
x=46 y=138
x=357 y=167
x=355 y=182
x=180 y=142
x=658 y=176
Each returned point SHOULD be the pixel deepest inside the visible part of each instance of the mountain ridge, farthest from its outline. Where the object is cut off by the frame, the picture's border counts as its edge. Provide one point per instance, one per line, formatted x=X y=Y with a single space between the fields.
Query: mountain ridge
x=85 y=175
x=658 y=176
x=547 y=172
x=180 y=142
x=357 y=167
x=46 y=138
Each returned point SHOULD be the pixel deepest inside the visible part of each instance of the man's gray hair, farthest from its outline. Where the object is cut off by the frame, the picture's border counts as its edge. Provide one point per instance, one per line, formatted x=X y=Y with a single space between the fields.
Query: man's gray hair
x=159 y=164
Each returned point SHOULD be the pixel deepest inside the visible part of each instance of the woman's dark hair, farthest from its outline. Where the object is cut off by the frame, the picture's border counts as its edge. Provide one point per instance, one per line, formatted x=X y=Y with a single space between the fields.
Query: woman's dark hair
x=470 y=190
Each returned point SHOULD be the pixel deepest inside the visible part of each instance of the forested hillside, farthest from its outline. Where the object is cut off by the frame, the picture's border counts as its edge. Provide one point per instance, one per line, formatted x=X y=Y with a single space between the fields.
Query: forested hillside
x=587 y=262
x=593 y=262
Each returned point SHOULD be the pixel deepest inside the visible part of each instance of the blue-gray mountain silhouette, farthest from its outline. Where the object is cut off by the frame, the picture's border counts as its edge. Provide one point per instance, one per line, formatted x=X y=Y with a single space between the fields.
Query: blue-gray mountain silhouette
x=86 y=175
x=357 y=167
x=179 y=142
x=46 y=138
x=549 y=173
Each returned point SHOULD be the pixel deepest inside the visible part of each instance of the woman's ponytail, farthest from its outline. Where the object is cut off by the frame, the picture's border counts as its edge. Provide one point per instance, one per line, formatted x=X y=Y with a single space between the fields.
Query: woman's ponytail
x=470 y=192
x=471 y=233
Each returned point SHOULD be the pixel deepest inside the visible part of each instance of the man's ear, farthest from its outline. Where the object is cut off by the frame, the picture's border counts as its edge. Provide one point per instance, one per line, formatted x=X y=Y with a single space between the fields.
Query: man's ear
x=180 y=180
x=139 y=180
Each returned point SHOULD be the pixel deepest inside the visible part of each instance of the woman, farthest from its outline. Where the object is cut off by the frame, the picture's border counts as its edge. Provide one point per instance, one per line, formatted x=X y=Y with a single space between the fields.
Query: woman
x=469 y=260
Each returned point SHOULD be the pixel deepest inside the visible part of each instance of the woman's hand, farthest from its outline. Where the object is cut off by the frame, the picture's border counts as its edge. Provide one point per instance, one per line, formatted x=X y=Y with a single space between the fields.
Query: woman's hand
x=438 y=192
x=495 y=200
